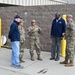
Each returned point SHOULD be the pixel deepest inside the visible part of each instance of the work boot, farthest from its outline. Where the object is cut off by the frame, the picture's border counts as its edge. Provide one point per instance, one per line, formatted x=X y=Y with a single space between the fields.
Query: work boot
x=39 y=58
x=21 y=60
x=70 y=64
x=32 y=57
x=64 y=62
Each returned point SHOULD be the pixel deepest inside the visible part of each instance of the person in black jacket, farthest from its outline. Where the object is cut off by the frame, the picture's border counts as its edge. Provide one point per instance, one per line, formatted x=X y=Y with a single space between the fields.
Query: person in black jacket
x=14 y=36
x=57 y=31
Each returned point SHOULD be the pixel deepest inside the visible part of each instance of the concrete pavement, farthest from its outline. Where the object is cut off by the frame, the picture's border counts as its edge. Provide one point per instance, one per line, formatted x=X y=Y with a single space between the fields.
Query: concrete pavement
x=33 y=67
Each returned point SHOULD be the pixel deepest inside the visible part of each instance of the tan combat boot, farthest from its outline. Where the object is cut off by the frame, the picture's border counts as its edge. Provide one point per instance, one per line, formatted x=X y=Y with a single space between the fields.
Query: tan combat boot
x=21 y=60
x=39 y=58
x=70 y=64
x=32 y=57
x=64 y=62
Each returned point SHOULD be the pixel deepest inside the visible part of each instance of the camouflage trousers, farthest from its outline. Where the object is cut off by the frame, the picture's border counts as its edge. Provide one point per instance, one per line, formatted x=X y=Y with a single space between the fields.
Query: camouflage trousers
x=34 y=43
x=22 y=47
x=70 y=50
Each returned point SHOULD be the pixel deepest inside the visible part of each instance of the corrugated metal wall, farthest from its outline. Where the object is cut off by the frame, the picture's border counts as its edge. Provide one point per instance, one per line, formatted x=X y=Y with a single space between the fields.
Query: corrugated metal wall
x=29 y=2
x=70 y=1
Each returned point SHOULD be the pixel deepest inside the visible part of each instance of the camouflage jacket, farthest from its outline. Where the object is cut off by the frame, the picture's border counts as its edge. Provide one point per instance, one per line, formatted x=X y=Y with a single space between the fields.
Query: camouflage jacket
x=34 y=31
x=22 y=34
x=70 y=31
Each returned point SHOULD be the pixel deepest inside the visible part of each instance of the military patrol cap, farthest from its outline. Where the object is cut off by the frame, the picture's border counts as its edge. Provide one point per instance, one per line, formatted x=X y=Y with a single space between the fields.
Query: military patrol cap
x=69 y=16
x=21 y=21
x=33 y=21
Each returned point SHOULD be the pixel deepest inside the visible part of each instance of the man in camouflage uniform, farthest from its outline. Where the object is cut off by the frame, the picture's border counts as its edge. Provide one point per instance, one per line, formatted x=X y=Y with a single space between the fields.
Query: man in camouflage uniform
x=70 y=39
x=34 y=32
x=22 y=40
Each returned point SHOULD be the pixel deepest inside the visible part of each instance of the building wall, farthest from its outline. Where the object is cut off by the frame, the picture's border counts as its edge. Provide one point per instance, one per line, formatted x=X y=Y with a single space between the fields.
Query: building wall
x=42 y=14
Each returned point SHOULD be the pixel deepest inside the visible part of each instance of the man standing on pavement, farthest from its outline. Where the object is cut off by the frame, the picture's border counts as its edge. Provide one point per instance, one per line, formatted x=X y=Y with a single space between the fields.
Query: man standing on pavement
x=14 y=36
x=57 y=31
x=70 y=39
x=34 y=41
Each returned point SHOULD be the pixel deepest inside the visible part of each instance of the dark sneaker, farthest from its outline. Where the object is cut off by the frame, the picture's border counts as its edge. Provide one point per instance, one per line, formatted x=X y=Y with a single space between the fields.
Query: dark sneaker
x=56 y=59
x=12 y=65
x=19 y=67
x=52 y=58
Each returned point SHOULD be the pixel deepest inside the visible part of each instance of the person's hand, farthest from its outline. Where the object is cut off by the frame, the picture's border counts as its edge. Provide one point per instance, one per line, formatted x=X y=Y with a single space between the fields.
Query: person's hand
x=68 y=38
x=39 y=28
x=32 y=29
x=8 y=40
x=63 y=34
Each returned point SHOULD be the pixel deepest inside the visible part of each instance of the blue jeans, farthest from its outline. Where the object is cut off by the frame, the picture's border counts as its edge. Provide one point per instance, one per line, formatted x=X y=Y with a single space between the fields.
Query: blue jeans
x=56 y=47
x=15 y=53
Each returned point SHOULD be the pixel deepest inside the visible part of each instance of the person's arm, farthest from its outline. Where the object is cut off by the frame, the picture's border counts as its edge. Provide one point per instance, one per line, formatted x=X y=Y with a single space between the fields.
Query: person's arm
x=71 y=26
x=39 y=30
x=24 y=33
x=63 y=28
x=23 y=30
x=51 y=29
x=12 y=28
x=30 y=30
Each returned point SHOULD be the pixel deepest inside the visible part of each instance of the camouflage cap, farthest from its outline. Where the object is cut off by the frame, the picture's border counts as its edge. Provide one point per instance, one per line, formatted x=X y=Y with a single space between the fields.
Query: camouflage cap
x=69 y=16
x=33 y=21
x=21 y=21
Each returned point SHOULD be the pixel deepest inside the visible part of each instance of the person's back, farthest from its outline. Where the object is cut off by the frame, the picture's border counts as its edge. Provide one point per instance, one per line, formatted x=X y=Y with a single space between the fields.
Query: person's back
x=70 y=29
x=70 y=41
x=14 y=34
x=22 y=33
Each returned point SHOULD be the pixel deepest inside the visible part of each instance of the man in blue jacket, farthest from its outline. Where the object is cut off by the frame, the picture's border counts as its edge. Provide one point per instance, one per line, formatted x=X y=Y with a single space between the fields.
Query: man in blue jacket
x=14 y=36
x=57 y=31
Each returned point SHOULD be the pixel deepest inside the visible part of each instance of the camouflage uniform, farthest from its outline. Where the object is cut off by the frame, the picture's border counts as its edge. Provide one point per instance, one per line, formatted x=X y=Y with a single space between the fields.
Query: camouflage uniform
x=34 y=32
x=22 y=41
x=70 y=38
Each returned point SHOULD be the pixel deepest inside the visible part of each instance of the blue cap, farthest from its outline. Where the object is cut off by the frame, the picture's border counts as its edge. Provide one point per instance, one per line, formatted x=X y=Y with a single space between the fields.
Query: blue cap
x=17 y=16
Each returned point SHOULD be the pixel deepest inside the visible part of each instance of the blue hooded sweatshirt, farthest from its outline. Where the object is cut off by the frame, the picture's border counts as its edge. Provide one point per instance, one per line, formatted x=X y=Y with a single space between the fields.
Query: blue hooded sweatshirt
x=58 y=27
x=14 y=34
